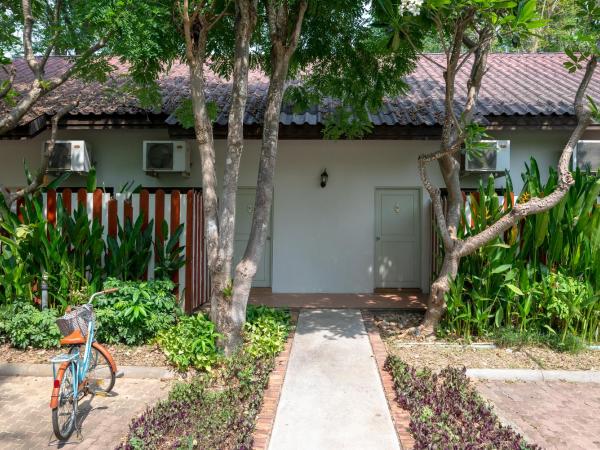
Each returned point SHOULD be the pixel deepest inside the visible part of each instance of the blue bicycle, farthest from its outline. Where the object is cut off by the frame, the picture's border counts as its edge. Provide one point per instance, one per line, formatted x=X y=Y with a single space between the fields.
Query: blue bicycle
x=87 y=368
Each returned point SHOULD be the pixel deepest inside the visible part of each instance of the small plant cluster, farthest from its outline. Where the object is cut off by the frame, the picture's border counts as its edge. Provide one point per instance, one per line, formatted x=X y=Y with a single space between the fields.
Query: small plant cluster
x=447 y=412
x=24 y=325
x=216 y=409
x=542 y=276
x=190 y=343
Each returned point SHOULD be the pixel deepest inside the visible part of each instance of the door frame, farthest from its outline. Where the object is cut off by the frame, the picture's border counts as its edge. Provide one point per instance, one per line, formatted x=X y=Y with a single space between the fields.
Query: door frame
x=271 y=231
x=419 y=190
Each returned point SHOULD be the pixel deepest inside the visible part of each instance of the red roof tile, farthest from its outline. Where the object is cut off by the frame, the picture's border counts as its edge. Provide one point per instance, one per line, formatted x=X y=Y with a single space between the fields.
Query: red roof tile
x=515 y=84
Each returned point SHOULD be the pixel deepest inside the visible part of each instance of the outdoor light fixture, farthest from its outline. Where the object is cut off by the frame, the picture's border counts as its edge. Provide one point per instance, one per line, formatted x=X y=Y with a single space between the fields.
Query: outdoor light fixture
x=324 y=177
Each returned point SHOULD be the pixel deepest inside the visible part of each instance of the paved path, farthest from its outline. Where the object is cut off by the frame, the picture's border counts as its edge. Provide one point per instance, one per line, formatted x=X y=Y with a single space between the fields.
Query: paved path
x=332 y=396
x=553 y=414
x=25 y=418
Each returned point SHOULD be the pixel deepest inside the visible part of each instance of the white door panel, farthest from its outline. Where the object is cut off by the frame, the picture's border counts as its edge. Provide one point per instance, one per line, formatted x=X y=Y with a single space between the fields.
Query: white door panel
x=243 y=224
x=397 y=238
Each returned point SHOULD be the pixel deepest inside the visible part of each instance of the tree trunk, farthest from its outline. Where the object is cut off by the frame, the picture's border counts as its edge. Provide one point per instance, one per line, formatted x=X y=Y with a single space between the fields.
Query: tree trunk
x=436 y=303
x=224 y=314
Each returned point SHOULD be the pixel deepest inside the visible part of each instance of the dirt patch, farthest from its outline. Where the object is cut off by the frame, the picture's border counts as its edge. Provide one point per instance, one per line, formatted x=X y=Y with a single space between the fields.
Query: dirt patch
x=143 y=355
x=440 y=353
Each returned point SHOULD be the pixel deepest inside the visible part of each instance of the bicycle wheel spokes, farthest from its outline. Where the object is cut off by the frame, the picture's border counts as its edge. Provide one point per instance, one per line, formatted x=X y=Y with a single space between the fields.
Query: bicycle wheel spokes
x=64 y=415
x=101 y=377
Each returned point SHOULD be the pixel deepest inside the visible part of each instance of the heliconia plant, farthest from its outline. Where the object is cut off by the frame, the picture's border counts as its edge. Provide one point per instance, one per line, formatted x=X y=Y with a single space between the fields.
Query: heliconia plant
x=520 y=280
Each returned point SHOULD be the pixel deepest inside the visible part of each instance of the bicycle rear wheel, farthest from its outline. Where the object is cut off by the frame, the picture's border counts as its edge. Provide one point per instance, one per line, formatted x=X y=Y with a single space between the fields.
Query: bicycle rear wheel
x=65 y=414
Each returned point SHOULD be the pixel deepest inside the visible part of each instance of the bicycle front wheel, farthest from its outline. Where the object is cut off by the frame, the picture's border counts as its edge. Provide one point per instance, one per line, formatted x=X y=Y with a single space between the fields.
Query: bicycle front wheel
x=64 y=414
x=101 y=376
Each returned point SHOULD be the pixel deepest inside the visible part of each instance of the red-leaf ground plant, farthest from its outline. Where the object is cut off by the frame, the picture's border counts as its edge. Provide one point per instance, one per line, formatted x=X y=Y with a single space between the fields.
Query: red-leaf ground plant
x=446 y=411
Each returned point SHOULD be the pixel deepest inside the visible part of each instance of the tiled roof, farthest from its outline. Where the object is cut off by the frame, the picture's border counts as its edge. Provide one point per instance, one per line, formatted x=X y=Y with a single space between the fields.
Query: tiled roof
x=514 y=85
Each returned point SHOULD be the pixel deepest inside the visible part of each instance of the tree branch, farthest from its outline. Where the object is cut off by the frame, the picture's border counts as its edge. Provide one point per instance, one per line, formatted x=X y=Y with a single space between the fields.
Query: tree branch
x=12 y=73
x=27 y=38
x=538 y=205
x=11 y=197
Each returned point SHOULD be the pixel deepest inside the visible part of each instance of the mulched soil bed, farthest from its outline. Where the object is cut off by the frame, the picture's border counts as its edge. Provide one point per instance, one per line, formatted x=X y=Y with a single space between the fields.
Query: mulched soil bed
x=143 y=355
x=440 y=353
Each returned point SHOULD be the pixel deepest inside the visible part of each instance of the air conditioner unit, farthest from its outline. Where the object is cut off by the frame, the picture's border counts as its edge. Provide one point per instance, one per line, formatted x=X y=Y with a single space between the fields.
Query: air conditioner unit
x=68 y=156
x=166 y=156
x=587 y=156
x=494 y=159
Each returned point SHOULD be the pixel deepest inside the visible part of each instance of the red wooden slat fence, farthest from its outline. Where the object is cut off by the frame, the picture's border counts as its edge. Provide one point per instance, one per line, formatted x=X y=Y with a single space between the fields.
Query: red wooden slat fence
x=175 y=207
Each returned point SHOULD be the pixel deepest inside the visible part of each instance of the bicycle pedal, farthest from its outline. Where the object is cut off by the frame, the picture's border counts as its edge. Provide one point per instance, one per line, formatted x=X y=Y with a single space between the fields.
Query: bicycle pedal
x=119 y=374
x=100 y=393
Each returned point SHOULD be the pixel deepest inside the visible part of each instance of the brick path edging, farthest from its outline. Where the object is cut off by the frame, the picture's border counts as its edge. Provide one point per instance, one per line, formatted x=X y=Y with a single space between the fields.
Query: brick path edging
x=266 y=417
x=400 y=417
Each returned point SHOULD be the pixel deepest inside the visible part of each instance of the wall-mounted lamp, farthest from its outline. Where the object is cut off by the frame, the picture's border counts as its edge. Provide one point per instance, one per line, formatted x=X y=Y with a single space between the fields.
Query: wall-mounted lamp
x=324 y=177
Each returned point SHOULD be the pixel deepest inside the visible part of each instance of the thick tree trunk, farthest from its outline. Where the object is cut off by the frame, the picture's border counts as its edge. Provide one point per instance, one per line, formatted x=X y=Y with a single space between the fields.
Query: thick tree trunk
x=283 y=44
x=436 y=303
x=223 y=311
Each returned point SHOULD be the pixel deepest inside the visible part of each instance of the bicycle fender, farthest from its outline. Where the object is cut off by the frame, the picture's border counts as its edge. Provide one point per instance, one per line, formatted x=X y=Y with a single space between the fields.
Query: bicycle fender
x=55 y=390
x=105 y=352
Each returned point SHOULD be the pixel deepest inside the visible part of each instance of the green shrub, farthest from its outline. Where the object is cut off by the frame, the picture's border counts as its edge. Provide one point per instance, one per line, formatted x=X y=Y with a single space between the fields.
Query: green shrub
x=24 y=325
x=266 y=330
x=541 y=276
x=137 y=312
x=190 y=343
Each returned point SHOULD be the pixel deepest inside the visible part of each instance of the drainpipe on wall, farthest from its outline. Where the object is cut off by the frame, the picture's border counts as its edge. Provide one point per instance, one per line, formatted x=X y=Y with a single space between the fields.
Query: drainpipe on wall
x=45 y=290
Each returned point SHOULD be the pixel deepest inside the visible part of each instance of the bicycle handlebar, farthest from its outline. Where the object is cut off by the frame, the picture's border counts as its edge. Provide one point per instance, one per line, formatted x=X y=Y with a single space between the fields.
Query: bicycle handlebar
x=106 y=291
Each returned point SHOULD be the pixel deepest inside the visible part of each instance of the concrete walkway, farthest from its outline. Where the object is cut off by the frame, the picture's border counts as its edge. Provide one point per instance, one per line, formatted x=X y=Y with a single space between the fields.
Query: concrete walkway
x=332 y=396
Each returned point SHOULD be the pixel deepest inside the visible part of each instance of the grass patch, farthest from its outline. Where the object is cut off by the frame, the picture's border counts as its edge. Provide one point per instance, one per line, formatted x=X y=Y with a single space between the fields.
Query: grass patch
x=509 y=337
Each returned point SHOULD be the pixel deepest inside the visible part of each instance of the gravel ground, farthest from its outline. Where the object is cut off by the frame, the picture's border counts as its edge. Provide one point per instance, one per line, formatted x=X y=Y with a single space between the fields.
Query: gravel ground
x=440 y=353
x=143 y=355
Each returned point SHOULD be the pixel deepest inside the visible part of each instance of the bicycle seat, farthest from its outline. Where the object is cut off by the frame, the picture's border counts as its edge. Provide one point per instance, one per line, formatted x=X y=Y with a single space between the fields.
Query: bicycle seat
x=75 y=338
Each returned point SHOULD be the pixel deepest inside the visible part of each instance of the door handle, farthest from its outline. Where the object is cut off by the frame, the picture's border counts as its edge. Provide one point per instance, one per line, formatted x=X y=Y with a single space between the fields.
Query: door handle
x=268 y=238
x=377 y=238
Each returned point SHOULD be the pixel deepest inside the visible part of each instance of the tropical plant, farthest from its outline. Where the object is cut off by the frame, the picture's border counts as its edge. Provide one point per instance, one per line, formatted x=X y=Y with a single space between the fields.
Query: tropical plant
x=265 y=330
x=129 y=254
x=169 y=254
x=137 y=312
x=542 y=274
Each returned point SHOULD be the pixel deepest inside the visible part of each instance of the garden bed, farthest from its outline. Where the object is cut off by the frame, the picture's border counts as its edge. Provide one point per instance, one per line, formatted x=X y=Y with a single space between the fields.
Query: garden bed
x=440 y=353
x=139 y=355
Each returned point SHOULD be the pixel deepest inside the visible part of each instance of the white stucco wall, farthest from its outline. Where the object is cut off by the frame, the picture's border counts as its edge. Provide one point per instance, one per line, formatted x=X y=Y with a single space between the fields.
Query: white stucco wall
x=323 y=239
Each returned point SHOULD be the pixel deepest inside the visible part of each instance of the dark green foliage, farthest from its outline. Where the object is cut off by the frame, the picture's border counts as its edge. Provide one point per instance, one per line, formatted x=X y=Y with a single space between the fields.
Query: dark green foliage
x=129 y=255
x=24 y=325
x=542 y=276
x=190 y=343
x=137 y=312
x=447 y=412
x=169 y=254
x=216 y=409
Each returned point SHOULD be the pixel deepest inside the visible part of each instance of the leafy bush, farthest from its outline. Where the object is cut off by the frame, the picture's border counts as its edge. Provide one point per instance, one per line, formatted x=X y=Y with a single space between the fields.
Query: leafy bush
x=447 y=412
x=266 y=330
x=190 y=343
x=24 y=325
x=137 y=312
x=542 y=275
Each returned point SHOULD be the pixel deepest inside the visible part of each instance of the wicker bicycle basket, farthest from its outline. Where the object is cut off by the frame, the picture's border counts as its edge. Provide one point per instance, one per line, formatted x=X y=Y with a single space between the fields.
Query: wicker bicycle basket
x=76 y=319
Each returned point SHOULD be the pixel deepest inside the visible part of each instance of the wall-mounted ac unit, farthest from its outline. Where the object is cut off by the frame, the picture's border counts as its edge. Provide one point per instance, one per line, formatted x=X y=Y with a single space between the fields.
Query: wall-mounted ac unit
x=68 y=156
x=587 y=156
x=495 y=158
x=166 y=156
